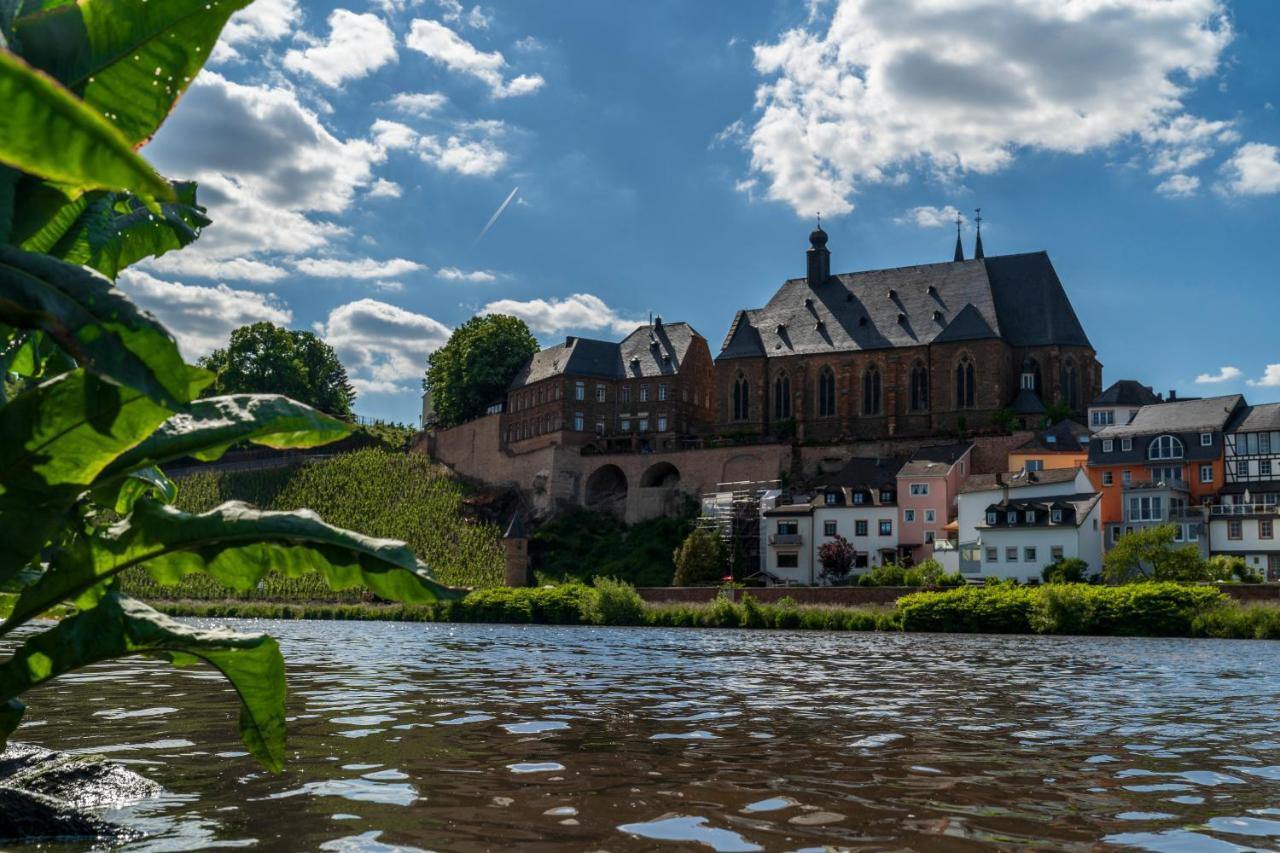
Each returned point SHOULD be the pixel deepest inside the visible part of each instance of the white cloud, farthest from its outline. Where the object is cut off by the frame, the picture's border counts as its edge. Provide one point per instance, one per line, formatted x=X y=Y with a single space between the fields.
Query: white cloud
x=261 y=22
x=962 y=86
x=929 y=217
x=392 y=135
x=361 y=268
x=1224 y=374
x=464 y=156
x=455 y=274
x=1185 y=142
x=1179 y=185
x=579 y=311
x=389 y=286
x=529 y=44
x=201 y=318
x=383 y=347
x=1254 y=169
x=1270 y=377
x=358 y=45
x=419 y=104
x=459 y=55
x=477 y=19
x=382 y=188
x=188 y=263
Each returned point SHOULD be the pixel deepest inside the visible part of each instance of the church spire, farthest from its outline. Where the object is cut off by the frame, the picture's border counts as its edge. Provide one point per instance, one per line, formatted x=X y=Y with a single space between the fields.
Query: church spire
x=977 y=248
x=959 y=248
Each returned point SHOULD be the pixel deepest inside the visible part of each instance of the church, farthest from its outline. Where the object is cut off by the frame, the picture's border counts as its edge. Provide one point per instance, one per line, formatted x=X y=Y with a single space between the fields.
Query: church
x=910 y=351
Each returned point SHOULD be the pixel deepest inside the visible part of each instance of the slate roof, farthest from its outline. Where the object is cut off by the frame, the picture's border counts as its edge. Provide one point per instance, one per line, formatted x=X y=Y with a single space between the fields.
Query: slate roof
x=933 y=461
x=1027 y=403
x=1066 y=436
x=1126 y=392
x=1018 y=479
x=1017 y=298
x=1080 y=504
x=1211 y=413
x=656 y=350
x=1264 y=416
x=867 y=472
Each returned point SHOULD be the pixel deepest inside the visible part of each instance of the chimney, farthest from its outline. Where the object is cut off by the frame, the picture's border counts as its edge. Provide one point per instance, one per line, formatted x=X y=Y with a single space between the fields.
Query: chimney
x=1173 y=395
x=569 y=339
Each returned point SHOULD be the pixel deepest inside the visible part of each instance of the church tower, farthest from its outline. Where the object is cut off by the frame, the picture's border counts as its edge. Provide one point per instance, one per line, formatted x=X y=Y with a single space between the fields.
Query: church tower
x=819 y=259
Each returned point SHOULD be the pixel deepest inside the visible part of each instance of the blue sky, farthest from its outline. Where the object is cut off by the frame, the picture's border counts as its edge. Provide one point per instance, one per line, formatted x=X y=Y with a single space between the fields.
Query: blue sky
x=670 y=157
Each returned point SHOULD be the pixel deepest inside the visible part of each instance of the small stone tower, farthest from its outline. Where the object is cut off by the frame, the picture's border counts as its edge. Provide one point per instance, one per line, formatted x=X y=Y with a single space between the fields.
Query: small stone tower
x=818 y=266
x=515 y=543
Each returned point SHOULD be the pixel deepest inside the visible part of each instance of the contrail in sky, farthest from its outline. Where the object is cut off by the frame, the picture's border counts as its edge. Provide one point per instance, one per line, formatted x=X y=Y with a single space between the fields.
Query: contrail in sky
x=496 y=214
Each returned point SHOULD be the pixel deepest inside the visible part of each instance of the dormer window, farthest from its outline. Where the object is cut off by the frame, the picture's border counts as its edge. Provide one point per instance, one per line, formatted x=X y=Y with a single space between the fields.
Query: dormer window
x=886 y=497
x=1012 y=518
x=1206 y=439
x=1031 y=516
x=833 y=498
x=1107 y=445
x=937 y=316
x=1126 y=444
x=1165 y=447
x=993 y=518
x=858 y=497
x=1056 y=516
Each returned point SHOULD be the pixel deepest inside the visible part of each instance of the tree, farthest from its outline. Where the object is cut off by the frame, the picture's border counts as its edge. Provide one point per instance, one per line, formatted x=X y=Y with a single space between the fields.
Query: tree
x=1004 y=420
x=1149 y=554
x=699 y=559
x=1228 y=567
x=1066 y=570
x=101 y=397
x=836 y=556
x=1057 y=412
x=263 y=358
x=475 y=366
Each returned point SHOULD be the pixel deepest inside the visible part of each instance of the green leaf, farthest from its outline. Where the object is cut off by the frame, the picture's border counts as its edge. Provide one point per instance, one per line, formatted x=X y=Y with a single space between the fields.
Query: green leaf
x=59 y=436
x=8 y=190
x=46 y=131
x=122 y=494
x=44 y=211
x=208 y=427
x=236 y=545
x=134 y=59
x=95 y=324
x=117 y=229
x=119 y=627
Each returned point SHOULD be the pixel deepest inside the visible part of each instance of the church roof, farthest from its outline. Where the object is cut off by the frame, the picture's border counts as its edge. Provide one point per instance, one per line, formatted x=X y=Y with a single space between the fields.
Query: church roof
x=656 y=350
x=1017 y=298
x=1126 y=392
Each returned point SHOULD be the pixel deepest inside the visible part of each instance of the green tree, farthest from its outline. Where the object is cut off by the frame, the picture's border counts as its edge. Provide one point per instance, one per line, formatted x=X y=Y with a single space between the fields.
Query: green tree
x=1228 y=567
x=263 y=358
x=101 y=398
x=699 y=559
x=1066 y=570
x=1056 y=412
x=475 y=366
x=1004 y=420
x=1150 y=554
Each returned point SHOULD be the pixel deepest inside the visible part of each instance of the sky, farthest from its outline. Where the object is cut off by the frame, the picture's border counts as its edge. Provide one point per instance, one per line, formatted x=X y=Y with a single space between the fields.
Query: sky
x=379 y=171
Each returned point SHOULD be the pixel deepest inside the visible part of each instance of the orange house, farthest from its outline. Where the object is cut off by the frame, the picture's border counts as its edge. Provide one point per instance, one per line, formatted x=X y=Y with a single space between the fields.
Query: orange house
x=1167 y=459
x=1063 y=445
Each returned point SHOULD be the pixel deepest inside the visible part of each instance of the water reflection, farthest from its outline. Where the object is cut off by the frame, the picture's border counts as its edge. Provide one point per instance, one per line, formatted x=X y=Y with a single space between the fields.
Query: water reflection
x=407 y=737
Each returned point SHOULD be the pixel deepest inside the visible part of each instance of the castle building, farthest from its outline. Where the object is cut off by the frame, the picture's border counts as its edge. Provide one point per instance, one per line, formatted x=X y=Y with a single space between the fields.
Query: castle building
x=911 y=351
x=652 y=391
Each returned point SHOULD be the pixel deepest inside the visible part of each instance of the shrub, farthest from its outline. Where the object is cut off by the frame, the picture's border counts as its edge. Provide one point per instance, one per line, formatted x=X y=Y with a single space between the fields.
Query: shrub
x=753 y=615
x=890 y=574
x=699 y=559
x=991 y=610
x=1066 y=570
x=613 y=602
x=1227 y=568
x=723 y=613
x=786 y=614
x=836 y=556
x=1257 y=622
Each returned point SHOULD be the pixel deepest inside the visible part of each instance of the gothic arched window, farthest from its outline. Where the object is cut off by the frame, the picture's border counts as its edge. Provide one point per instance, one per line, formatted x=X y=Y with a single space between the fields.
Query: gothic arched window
x=964 y=383
x=1068 y=380
x=871 y=391
x=782 y=397
x=919 y=387
x=741 y=397
x=826 y=393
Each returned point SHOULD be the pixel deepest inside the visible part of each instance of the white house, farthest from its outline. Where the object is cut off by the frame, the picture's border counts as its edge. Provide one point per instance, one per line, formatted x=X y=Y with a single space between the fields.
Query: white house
x=1248 y=531
x=1117 y=405
x=1013 y=525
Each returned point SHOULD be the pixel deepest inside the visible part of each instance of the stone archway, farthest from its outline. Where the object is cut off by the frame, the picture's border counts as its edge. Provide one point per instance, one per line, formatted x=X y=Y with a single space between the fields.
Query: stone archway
x=607 y=490
x=662 y=475
x=743 y=467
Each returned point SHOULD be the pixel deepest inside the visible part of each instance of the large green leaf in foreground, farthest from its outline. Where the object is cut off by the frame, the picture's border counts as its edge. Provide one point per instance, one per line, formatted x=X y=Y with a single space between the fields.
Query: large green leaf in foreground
x=46 y=131
x=95 y=324
x=58 y=436
x=119 y=627
x=136 y=58
x=236 y=545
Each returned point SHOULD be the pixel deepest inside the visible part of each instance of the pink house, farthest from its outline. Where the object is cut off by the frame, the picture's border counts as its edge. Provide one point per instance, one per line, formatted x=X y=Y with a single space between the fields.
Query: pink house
x=927 y=489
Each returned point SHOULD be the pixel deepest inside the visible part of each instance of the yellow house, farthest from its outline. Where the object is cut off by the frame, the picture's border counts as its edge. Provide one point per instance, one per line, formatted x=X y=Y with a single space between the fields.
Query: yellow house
x=1063 y=445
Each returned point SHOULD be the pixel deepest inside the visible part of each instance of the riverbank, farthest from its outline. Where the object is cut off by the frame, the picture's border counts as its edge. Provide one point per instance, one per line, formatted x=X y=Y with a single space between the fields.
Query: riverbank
x=1148 y=610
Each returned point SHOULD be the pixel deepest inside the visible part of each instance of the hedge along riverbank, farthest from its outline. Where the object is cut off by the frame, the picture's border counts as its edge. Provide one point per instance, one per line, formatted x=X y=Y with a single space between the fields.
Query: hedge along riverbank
x=1152 y=610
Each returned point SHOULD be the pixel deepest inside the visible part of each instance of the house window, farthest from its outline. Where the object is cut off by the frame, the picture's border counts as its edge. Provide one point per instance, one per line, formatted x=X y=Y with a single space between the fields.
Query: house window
x=643 y=426
x=1193 y=532
x=1206 y=473
x=1107 y=445
x=578 y=421
x=788 y=528
x=993 y=518
x=930 y=515
x=833 y=498
x=599 y=393
x=886 y=527
x=626 y=425
x=1033 y=465
x=1108 y=478
x=1028 y=555
x=1206 y=439
x=1264 y=468
x=1011 y=554
x=789 y=560
x=1242 y=468
x=871 y=391
x=1165 y=447
x=1055 y=516
x=662 y=423
x=1146 y=508
x=1126 y=444
x=993 y=555
x=919 y=489
x=782 y=397
x=929 y=537
x=1235 y=529
x=829 y=528
x=741 y=397
x=919 y=387
x=860 y=527
x=662 y=392
x=858 y=497
x=1264 y=442
x=626 y=393
x=1266 y=529
x=1126 y=478
x=1011 y=517
x=964 y=383
x=644 y=393
x=1031 y=516
x=886 y=497
x=579 y=390
x=909 y=516
x=599 y=427
x=1056 y=553
x=826 y=392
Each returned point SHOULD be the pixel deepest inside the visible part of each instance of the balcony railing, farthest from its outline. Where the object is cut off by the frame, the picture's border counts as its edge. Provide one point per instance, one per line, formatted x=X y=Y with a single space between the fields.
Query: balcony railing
x=1245 y=509
x=786 y=539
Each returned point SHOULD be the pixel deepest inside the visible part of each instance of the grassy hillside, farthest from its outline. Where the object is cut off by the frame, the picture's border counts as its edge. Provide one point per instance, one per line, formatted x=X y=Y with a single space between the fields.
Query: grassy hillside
x=393 y=495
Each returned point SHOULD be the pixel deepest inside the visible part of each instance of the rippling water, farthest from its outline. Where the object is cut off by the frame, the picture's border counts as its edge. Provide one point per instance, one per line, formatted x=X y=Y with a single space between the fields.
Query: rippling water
x=457 y=737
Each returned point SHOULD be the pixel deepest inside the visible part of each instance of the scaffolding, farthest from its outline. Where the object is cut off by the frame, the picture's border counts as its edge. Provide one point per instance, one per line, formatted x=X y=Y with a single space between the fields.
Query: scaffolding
x=732 y=513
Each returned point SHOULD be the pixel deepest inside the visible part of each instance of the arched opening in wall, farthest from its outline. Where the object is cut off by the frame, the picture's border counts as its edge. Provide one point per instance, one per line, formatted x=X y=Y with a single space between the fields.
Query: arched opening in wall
x=606 y=488
x=662 y=475
x=745 y=467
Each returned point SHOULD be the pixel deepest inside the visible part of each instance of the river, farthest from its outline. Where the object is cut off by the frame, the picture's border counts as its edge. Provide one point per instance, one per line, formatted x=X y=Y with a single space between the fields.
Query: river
x=469 y=737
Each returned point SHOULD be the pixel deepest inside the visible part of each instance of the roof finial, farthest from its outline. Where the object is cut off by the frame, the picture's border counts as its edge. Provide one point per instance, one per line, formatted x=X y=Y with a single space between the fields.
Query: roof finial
x=977 y=248
x=959 y=248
